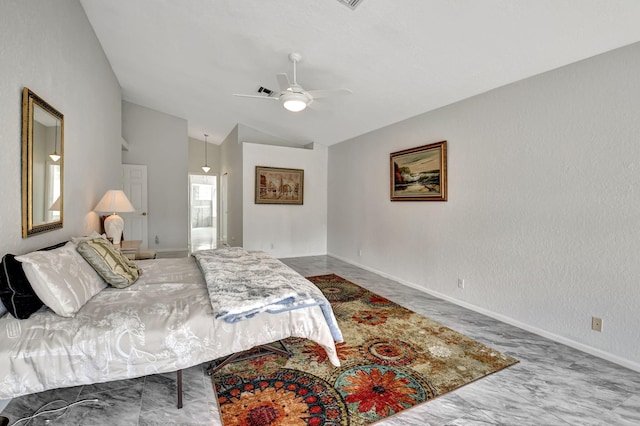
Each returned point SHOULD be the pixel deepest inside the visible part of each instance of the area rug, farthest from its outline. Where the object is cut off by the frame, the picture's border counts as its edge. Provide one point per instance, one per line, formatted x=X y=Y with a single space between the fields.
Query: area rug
x=392 y=359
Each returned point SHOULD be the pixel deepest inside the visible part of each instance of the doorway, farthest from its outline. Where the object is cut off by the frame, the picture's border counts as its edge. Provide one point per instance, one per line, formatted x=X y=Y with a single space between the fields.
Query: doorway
x=202 y=212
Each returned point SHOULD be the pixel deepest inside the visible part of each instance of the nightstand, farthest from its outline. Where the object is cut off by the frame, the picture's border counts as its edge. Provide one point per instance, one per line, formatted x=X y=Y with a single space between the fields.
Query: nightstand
x=130 y=248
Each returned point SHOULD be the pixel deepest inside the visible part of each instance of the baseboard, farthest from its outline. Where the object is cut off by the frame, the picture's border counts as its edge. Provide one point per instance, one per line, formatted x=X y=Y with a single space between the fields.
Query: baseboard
x=540 y=332
x=163 y=250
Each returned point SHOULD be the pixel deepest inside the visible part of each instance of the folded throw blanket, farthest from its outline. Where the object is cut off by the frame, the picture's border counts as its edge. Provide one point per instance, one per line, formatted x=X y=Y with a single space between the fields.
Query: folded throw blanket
x=243 y=283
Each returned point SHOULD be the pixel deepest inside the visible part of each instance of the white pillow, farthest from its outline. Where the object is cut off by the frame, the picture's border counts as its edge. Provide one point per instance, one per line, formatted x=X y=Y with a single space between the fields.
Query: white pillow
x=61 y=278
x=91 y=236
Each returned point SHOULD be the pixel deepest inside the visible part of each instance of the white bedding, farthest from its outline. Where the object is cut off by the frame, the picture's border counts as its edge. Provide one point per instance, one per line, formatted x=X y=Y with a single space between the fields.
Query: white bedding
x=162 y=323
x=242 y=284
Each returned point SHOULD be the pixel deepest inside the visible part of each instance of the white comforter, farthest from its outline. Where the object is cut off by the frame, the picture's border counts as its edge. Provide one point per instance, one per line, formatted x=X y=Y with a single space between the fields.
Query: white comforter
x=242 y=284
x=162 y=323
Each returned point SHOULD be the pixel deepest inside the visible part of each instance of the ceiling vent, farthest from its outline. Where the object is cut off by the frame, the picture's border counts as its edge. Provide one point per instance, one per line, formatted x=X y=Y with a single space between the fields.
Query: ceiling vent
x=351 y=3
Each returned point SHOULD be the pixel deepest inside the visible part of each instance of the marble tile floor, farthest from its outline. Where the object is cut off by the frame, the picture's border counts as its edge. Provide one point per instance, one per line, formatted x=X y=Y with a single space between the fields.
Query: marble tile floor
x=552 y=385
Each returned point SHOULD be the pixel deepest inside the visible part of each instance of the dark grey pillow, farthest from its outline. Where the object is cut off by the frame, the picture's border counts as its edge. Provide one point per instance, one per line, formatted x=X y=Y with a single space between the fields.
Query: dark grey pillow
x=15 y=291
x=3 y=310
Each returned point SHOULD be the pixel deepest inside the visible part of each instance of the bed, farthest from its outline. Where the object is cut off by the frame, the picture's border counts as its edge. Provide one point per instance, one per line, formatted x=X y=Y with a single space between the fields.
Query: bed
x=164 y=322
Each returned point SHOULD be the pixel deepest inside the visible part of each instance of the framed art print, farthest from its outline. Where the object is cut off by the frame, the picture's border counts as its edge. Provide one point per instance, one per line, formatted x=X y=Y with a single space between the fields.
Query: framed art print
x=420 y=174
x=276 y=185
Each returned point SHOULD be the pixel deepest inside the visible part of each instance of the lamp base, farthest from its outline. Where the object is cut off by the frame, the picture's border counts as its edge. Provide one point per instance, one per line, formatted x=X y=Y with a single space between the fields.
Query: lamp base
x=113 y=227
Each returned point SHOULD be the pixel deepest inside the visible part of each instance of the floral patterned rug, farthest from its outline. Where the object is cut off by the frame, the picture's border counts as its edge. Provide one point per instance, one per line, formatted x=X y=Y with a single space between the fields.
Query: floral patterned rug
x=392 y=359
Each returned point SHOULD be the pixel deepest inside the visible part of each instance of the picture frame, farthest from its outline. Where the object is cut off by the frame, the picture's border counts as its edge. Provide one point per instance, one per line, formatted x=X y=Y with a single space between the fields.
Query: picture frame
x=277 y=185
x=419 y=174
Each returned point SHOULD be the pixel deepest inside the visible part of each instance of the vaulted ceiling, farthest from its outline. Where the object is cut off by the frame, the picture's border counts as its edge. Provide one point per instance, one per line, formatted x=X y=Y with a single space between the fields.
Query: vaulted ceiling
x=400 y=58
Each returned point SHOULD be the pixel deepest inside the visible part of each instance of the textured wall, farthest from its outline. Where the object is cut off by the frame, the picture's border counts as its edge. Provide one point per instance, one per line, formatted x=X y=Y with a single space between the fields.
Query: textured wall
x=159 y=141
x=287 y=230
x=543 y=214
x=231 y=165
x=196 y=157
x=51 y=48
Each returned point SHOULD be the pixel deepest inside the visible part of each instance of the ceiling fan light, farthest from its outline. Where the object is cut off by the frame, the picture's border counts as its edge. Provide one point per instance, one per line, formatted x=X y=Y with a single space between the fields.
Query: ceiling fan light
x=295 y=102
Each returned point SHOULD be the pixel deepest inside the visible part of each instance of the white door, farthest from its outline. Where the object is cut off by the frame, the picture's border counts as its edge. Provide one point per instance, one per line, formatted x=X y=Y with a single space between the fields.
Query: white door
x=134 y=184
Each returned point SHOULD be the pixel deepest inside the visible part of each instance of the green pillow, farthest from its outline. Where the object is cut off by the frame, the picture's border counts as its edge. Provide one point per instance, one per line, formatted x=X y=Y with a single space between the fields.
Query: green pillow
x=115 y=268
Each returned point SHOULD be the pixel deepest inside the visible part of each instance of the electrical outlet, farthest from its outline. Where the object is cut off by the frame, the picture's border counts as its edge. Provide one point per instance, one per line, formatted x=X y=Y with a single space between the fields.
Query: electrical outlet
x=596 y=323
x=460 y=283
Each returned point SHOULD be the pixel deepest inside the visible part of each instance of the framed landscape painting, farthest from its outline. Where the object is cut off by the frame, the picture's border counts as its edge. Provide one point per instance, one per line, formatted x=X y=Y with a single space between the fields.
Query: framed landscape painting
x=420 y=174
x=275 y=185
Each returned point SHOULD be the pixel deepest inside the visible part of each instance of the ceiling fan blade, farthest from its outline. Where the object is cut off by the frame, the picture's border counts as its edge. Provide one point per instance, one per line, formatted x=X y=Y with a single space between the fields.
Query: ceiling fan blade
x=283 y=82
x=275 y=98
x=328 y=92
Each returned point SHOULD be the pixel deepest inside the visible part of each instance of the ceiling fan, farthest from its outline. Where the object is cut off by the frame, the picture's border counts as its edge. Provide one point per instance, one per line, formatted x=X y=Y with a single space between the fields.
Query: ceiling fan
x=292 y=95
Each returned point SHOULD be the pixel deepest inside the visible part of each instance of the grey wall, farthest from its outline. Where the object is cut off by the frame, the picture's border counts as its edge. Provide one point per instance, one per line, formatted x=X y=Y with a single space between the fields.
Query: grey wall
x=51 y=48
x=543 y=211
x=159 y=141
x=231 y=164
x=196 y=157
x=239 y=153
x=287 y=230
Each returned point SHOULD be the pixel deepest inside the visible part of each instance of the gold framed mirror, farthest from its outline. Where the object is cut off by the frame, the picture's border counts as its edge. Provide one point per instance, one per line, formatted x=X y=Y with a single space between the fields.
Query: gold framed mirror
x=42 y=165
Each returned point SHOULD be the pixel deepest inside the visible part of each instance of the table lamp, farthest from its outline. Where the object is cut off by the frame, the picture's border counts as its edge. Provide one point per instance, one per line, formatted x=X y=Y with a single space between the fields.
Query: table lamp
x=114 y=201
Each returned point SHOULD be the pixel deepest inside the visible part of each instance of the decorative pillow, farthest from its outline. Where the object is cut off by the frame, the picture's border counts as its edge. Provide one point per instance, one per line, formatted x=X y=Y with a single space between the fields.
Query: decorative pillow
x=61 y=279
x=15 y=291
x=113 y=266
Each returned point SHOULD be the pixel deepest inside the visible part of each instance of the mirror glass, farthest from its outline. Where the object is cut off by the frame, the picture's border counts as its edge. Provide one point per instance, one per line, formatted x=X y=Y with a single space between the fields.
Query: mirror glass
x=42 y=165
